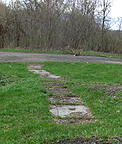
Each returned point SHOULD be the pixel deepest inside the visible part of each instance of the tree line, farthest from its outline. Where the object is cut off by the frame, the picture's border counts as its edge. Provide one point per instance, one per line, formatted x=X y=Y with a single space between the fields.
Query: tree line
x=58 y=25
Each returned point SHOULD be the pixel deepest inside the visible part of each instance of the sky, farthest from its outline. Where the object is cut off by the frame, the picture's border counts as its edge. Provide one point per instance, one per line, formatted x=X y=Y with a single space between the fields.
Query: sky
x=116 y=9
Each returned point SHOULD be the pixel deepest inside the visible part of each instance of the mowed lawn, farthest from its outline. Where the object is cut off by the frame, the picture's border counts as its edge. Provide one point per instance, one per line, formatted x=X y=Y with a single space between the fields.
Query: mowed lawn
x=24 y=105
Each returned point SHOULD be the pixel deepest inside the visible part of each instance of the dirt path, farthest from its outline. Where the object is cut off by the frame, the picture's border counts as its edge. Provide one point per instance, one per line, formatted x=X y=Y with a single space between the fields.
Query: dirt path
x=37 y=57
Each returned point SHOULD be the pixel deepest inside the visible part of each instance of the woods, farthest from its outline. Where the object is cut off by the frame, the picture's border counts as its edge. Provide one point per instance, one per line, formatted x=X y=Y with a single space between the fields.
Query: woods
x=58 y=25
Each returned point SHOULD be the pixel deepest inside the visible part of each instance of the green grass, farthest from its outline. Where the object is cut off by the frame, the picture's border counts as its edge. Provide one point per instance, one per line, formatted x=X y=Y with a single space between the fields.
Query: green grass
x=101 y=54
x=31 y=51
x=24 y=105
x=92 y=53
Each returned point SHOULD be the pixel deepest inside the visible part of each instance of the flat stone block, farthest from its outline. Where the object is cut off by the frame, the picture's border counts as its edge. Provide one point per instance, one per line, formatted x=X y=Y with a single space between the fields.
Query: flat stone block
x=67 y=110
x=53 y=76
x=44 y=73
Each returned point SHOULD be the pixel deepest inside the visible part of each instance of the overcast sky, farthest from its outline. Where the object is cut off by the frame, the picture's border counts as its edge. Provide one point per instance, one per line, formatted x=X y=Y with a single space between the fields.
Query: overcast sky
x=116 y=9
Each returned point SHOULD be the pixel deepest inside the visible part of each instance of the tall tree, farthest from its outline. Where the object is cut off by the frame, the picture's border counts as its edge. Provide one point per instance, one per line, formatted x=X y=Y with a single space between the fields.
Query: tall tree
x=106 y=7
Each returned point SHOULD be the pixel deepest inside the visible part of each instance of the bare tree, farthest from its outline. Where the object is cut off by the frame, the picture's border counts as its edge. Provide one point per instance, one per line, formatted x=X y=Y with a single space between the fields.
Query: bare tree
x=106 y=7
x=57 y=25
x=2 y=23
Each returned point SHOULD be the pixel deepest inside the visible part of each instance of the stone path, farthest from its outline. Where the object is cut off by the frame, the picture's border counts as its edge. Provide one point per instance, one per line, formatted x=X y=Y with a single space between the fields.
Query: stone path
x=65 y=106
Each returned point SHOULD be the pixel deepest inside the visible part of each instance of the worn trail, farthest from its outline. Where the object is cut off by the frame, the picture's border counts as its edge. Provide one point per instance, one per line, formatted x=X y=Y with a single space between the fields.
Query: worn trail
x=65 y=106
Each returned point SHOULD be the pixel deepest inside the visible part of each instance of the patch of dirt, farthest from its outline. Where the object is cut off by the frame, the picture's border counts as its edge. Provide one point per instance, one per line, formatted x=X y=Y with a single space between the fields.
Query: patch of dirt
x=56 y=87
x=80 y=115
x=90 y=140
x=65 y=99
x=2 y=83
x=54 y=83
x=7 y=79
x=110 y=90
x=58 y=90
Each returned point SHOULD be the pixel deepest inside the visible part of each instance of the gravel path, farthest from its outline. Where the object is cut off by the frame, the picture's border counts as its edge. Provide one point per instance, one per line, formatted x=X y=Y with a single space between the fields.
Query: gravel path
x=41 y=57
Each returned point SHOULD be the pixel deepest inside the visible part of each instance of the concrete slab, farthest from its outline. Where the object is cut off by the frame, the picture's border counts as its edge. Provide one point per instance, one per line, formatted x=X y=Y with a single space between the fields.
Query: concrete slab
x=66 y=110
x=39 y=72
x=44 y=74
x=51 y=76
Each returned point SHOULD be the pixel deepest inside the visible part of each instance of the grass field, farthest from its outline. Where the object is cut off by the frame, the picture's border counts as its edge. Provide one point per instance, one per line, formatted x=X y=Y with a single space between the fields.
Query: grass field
x=24 y=105
x=31 y=51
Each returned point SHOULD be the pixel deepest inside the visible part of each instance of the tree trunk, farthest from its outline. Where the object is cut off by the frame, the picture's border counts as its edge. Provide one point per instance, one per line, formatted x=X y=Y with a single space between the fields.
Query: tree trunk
x=1 y=37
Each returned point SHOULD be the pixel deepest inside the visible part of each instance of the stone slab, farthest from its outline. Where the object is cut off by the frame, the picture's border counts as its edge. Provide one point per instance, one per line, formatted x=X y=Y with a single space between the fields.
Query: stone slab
x=67 y=110
x=44 y=74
